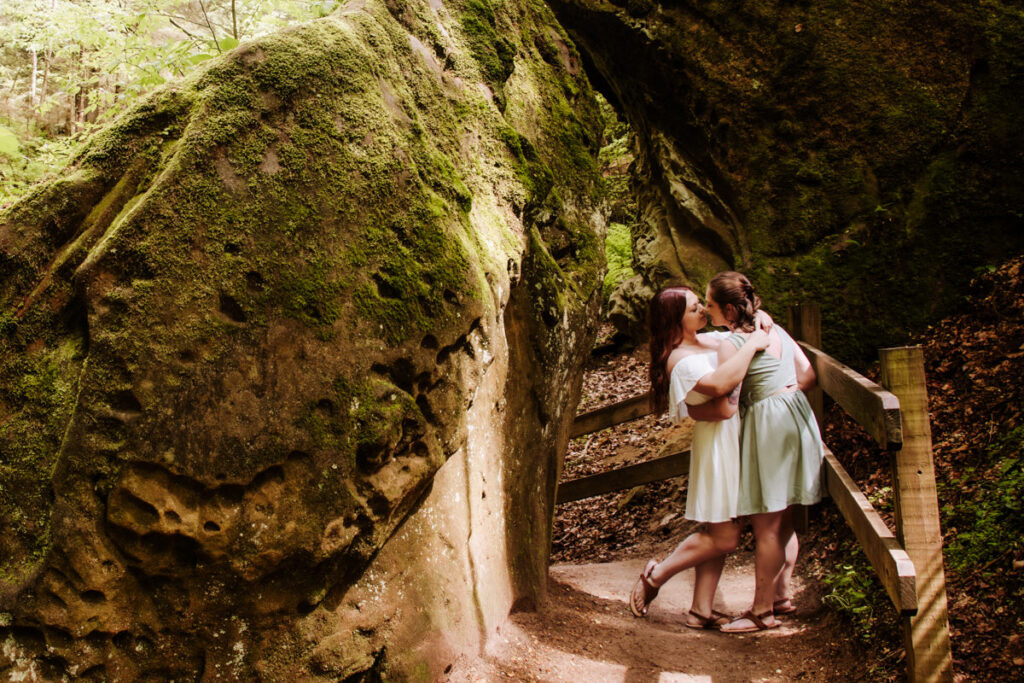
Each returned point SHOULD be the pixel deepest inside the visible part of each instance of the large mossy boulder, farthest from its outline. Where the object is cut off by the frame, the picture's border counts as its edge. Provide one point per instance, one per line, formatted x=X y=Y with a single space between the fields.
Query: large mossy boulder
x=864 y=155
x=289 y=352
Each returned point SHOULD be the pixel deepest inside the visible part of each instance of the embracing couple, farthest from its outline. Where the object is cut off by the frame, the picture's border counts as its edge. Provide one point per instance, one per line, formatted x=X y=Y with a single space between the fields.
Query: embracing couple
x=756 y=447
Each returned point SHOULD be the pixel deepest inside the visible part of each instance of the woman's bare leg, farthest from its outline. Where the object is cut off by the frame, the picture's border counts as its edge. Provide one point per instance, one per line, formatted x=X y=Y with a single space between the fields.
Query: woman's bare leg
x=784 y=581
x=697 y=548
x=705 y=585
x=769 y=558
x=719 y=540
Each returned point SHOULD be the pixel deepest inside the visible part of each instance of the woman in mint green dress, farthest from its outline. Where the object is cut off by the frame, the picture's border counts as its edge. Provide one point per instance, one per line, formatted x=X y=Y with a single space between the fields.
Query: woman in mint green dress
x=780 y=446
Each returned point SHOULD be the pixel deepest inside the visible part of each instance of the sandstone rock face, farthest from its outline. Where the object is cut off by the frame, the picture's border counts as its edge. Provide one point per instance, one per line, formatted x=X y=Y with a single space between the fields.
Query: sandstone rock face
x=863 y=155
x=288 y=355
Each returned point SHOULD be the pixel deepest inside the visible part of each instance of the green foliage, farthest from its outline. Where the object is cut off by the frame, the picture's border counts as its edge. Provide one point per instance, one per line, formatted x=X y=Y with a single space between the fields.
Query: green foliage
x=985 y=524
x=68 y=66
x=859 y=599
x=614 y=158
x=42 y=157
x=850 y=585
x=618 y=246
x=9 y=146
x=616 y=130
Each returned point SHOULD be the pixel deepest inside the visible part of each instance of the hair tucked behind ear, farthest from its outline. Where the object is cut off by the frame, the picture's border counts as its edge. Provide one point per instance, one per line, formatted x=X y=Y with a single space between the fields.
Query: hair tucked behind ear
x=734 y=288
x=665 y=322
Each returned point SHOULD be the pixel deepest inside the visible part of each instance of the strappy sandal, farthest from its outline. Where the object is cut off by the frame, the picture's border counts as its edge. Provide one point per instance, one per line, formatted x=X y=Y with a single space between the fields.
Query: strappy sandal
x=712 y=623
x=756 y=619
x=783 y=606
x=644 y=592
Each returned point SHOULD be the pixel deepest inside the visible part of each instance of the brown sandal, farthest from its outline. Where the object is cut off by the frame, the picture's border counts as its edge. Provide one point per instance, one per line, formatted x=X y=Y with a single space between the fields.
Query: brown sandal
x=756 y=619
x=711 y=623
x=783 y=606
x=644 y=592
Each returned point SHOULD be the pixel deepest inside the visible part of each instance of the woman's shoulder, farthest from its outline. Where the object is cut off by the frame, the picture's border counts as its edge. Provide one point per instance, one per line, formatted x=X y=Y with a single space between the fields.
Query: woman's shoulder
x=737 y=339
x=677 y=355
x=686 y=361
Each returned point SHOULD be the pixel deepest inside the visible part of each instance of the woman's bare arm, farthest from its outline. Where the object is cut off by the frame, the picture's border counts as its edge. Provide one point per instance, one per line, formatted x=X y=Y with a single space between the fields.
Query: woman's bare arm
x=805 y=375
x=715 y=410
x=731 y=370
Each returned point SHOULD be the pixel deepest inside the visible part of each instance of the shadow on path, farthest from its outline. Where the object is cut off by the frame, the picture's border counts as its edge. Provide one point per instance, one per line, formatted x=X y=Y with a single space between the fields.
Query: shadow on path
x=585 y=633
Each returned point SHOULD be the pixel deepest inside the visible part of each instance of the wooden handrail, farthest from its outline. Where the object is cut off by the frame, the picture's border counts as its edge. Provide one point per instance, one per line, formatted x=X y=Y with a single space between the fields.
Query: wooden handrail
x=667 y=467
x=887 y=556
x=874 y=408
x=611 y=415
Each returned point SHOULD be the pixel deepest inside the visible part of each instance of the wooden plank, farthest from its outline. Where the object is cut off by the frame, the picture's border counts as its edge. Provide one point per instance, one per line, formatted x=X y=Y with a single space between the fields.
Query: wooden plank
x=667 y=467
x=805 y=325
x=609 y=416
x=891 y=562
x=917 y=514
x=876 y=409
x=604 y=349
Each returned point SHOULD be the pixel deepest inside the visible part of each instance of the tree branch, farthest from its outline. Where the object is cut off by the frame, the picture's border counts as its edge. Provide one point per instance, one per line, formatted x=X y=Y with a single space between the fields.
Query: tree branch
x=182 y=29
x=202 y=6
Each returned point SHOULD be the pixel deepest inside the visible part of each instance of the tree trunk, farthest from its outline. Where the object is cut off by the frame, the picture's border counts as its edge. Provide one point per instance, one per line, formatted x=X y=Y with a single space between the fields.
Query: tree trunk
x=35 y=72
x=46 y=74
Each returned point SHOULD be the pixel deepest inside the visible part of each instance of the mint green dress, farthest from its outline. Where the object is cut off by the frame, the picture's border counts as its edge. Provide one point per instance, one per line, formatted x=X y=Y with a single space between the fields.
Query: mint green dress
x=780 y=446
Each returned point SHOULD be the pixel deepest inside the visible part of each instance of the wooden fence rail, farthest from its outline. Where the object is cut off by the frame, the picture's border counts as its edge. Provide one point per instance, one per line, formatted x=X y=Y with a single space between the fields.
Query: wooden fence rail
x=888 y=558
x=659 y=469
x=908 y=562
x=874 y=408
x=609 y=416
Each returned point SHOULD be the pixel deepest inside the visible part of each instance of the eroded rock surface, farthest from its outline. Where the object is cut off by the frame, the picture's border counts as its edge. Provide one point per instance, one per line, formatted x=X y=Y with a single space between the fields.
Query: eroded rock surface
x=288 y=355
x=864 y=155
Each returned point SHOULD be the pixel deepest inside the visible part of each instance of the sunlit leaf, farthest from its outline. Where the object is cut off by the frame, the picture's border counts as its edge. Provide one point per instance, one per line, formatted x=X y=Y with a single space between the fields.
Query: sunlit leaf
x=9 y=146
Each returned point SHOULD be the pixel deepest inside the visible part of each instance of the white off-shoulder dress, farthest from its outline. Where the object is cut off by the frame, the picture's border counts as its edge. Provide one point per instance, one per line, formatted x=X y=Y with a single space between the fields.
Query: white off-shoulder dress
x=713 y=490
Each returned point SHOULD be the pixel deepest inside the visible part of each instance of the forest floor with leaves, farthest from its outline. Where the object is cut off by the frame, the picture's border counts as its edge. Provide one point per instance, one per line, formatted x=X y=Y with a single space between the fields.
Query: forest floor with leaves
x=847 y=629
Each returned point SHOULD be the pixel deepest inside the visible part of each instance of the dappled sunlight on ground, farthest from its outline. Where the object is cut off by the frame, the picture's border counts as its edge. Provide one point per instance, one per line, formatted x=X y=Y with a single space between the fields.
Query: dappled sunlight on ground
x=584 y=632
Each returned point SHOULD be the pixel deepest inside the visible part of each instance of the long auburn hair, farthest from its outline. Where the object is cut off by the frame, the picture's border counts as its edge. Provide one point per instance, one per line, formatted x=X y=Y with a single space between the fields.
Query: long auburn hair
x=665 y=322
x=730 y=287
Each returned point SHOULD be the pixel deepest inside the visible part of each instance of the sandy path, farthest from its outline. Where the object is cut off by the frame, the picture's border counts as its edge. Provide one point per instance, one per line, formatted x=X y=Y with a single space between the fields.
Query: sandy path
x=586 y=633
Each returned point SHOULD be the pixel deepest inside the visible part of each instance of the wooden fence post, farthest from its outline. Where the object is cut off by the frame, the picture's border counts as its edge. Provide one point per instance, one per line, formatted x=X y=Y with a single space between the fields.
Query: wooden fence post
x=917 y=517
x=803 y=321
x=804 y=324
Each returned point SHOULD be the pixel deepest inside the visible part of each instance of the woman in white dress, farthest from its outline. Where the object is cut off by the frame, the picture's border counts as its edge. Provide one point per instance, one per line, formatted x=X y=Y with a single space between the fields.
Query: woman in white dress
x=686 y=377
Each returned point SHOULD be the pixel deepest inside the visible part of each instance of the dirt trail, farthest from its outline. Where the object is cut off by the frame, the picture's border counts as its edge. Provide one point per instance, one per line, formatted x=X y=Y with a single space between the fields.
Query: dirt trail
x=586 y=633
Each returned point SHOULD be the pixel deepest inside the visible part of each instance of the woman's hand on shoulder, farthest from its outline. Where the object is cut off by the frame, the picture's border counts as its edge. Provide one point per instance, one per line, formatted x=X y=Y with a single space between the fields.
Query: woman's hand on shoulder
x=763 y=321
x=759 y=338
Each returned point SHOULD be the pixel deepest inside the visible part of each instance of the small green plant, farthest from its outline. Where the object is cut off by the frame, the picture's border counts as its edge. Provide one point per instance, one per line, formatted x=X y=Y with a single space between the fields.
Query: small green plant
x=989 y=517
x=857 y=597
x=850 y=586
